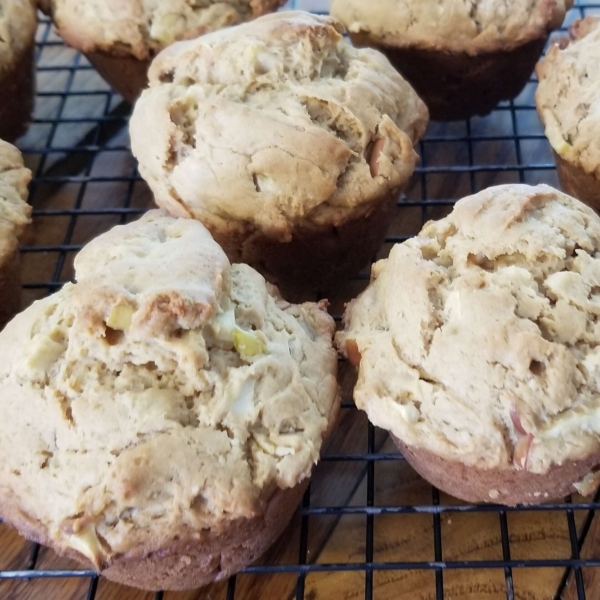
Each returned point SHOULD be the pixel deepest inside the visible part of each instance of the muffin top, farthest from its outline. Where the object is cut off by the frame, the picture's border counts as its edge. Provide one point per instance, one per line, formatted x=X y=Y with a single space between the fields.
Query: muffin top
x=140 y=28
x=568 y=95
x=490 y=354
x=14 y=210
x=18 y=22
x=273 y=123
x=471 y=26
x=165 y=392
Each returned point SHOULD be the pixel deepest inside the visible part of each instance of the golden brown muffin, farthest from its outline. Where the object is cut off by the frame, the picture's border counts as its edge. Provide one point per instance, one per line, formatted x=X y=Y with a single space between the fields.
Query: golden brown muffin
x=18 y=22
x=486 y=367
x=462 y=56
x=568 y=102
x=120 y=37
x=161 y=417
x=14 y=216
x=288 y=143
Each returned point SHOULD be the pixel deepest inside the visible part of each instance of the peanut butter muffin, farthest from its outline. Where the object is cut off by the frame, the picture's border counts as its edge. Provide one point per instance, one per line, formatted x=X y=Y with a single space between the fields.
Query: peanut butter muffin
x=568 y=102
x=486 y=369
x=18 y=22
x=289 y=144
x=120 y=37
x=14 y=216
x=160 y=417
x=461 y=56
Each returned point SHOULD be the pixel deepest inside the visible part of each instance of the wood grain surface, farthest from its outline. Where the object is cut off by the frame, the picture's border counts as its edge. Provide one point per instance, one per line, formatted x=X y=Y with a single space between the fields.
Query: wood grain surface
x=67 y=126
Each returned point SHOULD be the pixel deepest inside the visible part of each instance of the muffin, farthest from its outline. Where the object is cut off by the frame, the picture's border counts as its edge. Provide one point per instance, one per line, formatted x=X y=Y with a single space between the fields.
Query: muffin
x=18 y=22
x=461 y=57
x=14 y=216
x=290 y=145
x=160 y=417
x=568 y=103
x=120 y=37
x=486 y=368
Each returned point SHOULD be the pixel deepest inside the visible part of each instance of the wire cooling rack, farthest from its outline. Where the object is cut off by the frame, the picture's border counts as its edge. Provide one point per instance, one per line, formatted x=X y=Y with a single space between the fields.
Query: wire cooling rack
x=368 y=527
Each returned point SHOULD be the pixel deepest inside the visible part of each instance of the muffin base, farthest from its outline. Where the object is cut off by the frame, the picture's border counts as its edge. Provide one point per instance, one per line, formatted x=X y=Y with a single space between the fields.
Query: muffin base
x=458 y=85
x=214 y=558
x=192 y=562
x=127 y=75
x=17 y=96
x=500 y=486
x=577 y=183
x=187 y=563
x=10 y=287
x=318 y=258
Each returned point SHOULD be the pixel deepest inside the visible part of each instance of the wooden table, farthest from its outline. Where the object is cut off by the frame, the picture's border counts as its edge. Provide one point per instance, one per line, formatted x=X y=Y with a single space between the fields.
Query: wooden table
x=71 y=197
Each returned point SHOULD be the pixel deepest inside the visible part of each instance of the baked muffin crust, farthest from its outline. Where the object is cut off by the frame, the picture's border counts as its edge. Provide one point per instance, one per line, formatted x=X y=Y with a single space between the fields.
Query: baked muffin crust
x=14 y=210
x=471 y=26
x=18 y=21
x=273 y=124
x=489 y=358
x=568 y=96
x=140 y=28
x=163 y=395
x=14 y=216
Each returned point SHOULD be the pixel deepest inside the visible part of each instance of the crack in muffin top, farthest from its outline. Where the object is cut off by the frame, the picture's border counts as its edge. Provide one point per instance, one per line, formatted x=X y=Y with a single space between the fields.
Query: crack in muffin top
x=471 y=26
x=273 y=123
x=479 y=339
x=568 y=96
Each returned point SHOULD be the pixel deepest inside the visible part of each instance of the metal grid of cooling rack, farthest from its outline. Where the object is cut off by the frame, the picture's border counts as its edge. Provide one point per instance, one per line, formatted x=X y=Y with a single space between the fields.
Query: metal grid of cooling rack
x=85 y=181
